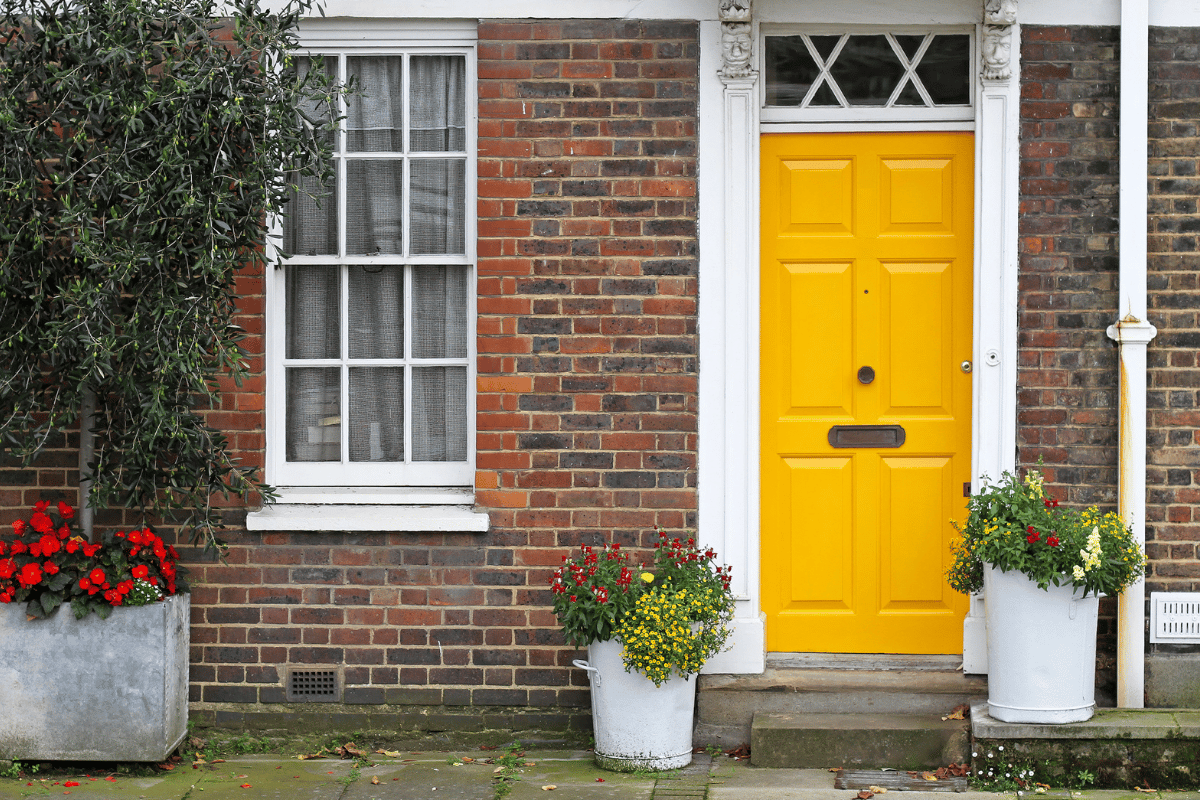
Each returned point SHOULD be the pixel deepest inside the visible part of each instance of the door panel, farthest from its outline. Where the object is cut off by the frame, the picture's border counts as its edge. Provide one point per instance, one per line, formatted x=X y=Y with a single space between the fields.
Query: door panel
x=867 y=242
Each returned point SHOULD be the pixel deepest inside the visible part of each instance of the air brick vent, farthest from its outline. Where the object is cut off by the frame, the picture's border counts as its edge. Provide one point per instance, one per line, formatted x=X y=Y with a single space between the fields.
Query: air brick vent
x=313 y=686
x=1175 y=617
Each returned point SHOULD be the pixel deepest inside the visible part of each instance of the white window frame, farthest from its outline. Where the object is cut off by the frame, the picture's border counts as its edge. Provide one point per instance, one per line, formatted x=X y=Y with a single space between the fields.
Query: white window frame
x=365 y=495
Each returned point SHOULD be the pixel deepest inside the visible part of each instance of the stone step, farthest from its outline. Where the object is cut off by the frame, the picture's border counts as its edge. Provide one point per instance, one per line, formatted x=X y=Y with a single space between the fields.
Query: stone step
x=818 y=684
x=826 y=741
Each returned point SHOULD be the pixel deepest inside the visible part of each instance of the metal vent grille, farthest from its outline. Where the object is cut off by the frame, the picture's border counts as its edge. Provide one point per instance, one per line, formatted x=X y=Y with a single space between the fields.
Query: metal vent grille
x=312 y=686
x=1175 y=617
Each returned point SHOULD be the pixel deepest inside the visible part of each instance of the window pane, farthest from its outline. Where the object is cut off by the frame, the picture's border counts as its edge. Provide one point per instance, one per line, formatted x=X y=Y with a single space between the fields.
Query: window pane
x=314 y=426
x=312 y=110
x=867 y=70
x=909 y=96
x=945 y=70
x=790 y=70
x=313 y=312
x=310 y=219
x=375 y=110
x=377 y=414
x=910 y=44
x=438 y=101
x=439 y=426
x=438 y=221
x=439 y=312
x=376 y=314
x=374 y=210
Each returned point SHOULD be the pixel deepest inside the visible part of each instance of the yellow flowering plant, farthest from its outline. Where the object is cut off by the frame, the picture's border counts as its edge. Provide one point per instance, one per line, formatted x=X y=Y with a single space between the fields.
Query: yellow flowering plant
x=1015 y=525
x=672 y=615
x=682 y=617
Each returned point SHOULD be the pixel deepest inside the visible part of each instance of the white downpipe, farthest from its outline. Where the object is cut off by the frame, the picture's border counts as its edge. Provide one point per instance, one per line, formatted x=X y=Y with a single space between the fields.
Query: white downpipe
x=1133 y=332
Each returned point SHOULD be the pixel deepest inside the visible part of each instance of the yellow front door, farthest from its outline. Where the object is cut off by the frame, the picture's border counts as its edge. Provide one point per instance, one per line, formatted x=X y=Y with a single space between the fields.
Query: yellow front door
x=866 y=262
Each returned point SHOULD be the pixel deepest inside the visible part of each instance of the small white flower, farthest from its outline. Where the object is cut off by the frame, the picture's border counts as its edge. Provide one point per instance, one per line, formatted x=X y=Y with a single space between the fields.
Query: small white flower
x=1000 y=748
x=989 y=755
x=974 y=755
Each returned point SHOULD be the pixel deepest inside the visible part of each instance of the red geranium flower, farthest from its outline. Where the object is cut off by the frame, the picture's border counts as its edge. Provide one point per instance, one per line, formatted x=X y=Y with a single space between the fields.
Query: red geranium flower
x=97 y=576
x=41 y=523
x=50 y=568
x=1033 y=537
x=89 y=550
x=65 y=511
x=140 y=571
x=19 y=547
x=30 y=574
x=41 y=505
x=49 y=544
x=7 y=568
x=1052 y=541
x=19 y=527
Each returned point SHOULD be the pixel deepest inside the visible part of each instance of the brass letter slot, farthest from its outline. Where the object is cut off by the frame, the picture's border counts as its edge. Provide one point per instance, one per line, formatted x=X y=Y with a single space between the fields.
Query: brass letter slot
x=866 y=436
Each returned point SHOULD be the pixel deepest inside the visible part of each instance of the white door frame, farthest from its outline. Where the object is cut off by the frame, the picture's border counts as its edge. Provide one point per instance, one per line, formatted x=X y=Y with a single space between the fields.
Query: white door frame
x=728 y=468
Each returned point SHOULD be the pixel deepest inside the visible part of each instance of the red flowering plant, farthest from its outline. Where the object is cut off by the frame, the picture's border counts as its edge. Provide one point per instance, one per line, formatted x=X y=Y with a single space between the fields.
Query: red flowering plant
x=592 y=592
x=45 y=564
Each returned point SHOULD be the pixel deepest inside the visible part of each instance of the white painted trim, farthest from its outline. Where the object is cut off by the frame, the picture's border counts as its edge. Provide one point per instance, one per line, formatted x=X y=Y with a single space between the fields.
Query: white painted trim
x=416 y=519
x=852 y=127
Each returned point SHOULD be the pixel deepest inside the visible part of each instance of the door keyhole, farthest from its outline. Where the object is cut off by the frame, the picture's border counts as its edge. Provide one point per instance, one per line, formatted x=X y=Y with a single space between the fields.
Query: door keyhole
x=866 y=375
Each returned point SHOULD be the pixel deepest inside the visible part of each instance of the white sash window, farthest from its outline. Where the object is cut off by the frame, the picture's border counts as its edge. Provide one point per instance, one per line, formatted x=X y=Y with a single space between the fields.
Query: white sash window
x=372 y=313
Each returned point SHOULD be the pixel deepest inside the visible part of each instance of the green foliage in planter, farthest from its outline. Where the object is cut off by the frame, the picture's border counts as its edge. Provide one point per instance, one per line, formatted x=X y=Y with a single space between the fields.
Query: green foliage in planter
x=140 y=163
x=1015 y=525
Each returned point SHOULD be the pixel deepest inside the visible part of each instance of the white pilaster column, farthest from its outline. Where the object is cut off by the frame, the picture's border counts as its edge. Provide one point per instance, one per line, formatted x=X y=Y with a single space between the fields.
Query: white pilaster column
x=997 y=154
x=728 y=482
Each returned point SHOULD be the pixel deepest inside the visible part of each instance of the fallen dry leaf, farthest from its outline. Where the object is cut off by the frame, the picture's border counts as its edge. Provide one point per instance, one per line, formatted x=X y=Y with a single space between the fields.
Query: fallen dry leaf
x=488 y=746
x=307 y=756
x=877 y=789
x=865 y=795
x=549 y=787
x=959 y=712
x=389 y=753
x=1145 y=790
x=741 y=751
x=497 y=770
x=374 y=780
x=928 y=776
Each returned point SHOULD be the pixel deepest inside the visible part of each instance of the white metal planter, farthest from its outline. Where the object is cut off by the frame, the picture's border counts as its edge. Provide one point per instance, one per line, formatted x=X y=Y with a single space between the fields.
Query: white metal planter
x=1041 y=650
x=93 y=689
x=636 y=724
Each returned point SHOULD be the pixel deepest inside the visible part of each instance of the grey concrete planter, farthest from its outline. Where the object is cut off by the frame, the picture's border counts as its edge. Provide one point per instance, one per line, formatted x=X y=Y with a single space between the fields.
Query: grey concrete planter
x=93 y=689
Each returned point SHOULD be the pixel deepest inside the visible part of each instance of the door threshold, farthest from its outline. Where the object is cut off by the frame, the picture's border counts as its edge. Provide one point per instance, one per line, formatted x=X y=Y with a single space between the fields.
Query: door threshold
x=880 y=662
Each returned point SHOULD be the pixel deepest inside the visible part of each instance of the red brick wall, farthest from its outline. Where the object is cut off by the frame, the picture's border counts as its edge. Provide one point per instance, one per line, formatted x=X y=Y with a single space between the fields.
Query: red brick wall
x=1066 y=380
x=586 y=410
x=1173 y=478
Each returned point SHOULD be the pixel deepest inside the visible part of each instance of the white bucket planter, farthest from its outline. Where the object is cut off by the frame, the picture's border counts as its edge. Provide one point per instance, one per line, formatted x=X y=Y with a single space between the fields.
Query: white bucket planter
x=636 y=724
x=92 y=689
x=1041 y=650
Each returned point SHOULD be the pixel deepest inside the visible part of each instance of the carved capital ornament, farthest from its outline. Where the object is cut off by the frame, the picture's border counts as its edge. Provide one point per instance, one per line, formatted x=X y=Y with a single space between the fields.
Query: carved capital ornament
x=999 y=16
x=737 y=44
